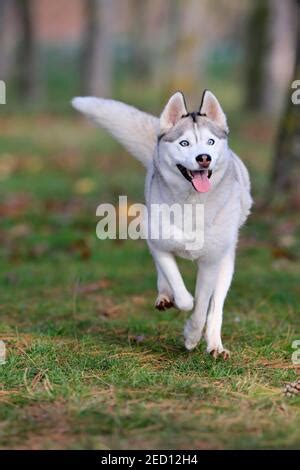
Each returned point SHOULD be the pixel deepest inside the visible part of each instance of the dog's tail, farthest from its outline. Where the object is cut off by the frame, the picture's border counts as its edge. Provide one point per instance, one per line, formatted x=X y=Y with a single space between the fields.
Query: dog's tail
x=135 y=130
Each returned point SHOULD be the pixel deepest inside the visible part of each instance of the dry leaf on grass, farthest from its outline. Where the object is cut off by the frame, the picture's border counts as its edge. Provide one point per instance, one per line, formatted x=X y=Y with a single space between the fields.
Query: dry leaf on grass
x=94 y=286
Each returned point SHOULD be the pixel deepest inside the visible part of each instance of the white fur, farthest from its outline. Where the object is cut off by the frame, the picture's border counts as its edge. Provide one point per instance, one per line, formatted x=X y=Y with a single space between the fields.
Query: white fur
x=173 y=111
x=135 y=130
x=227 y=204
x=211 y=107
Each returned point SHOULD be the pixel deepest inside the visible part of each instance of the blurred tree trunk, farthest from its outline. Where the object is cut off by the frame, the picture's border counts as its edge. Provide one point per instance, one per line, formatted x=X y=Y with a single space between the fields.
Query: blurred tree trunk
x=269 y=56
x=97 y=53
x=281 y=55
x=162 y=35
x=27 y=63
x=184 y=73
x=257 y=45
x=6 y=56
x=285 y=178
x=138 y=30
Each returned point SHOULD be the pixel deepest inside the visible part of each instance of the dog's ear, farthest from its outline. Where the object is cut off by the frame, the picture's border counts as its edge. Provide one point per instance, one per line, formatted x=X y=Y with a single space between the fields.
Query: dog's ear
x=211 y=108
x=173 y=111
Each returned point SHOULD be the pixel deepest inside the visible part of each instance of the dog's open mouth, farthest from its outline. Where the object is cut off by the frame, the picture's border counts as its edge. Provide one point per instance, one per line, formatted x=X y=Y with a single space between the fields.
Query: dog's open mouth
x=199 y=179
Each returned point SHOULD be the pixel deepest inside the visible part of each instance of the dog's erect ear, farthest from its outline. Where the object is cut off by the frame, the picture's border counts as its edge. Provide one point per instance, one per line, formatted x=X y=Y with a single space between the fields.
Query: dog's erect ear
x=174 y=110
x=211 y=108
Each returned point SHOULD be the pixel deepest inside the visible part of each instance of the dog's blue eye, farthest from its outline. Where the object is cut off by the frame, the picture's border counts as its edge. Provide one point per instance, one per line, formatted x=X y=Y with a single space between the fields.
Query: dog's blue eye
x=184 y=143
x=210 y=141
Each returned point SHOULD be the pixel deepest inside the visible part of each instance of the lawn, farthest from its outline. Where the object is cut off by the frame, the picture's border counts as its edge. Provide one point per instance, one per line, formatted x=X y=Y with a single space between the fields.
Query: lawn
x=90 y=363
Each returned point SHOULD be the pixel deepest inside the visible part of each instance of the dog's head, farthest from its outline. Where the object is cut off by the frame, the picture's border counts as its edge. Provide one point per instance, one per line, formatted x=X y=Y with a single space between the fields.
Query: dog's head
x=193 y=143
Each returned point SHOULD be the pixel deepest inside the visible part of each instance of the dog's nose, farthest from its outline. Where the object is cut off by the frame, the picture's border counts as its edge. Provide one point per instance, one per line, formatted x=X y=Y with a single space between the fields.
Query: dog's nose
x=204 y=160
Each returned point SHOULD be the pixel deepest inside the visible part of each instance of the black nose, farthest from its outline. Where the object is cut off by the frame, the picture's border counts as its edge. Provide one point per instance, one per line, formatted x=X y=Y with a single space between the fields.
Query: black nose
x=204 y=159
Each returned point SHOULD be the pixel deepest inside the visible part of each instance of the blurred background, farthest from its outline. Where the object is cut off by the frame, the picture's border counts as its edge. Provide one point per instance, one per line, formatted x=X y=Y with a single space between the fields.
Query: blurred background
x=59 y=282
x=140 y=52
x=52 y=50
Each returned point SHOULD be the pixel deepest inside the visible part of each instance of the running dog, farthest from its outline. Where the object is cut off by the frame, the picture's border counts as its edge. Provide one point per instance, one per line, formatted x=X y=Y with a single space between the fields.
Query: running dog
x=188 y=161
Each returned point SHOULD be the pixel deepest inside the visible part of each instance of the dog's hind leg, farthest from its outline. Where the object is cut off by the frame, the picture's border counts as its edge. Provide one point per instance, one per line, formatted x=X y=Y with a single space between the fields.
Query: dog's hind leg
x=167 y=265
x=214 y=320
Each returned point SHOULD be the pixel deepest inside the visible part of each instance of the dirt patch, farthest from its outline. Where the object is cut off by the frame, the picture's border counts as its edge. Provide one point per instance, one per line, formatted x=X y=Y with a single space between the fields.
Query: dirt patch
x=50 y=427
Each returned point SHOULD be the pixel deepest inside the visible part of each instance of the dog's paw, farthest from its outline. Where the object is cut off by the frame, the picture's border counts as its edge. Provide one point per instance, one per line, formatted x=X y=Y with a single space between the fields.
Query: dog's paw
x=163 y=302
x=219 y=353
x=190 y=343
x=184 y=301
x=192 y=335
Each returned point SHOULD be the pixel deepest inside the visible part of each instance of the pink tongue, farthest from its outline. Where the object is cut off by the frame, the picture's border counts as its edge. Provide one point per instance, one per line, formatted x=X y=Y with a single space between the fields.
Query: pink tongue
x=201 y=182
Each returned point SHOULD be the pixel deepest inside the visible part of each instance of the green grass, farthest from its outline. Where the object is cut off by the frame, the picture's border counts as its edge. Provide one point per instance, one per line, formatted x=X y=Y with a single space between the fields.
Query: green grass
x=90 y=362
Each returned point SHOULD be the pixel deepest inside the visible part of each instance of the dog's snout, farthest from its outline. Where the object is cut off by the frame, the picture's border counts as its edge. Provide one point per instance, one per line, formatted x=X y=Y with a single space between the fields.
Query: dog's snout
x=204 y=160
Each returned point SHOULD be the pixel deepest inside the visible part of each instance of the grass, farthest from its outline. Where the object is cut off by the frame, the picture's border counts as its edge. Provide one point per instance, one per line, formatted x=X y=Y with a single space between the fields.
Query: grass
x=90 y=362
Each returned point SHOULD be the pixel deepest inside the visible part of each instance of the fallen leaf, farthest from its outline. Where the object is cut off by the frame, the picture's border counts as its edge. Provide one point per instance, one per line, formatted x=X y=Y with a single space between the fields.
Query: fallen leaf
x=84 y=186
x=94 y=286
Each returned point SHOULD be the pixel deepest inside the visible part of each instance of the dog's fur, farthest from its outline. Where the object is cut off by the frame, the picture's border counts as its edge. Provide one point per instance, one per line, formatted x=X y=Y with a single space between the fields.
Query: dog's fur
x=156 y=143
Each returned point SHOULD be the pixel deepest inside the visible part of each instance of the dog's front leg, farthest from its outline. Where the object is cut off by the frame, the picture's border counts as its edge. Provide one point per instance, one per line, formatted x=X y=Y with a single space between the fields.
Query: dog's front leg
x=213 y=281
x=168 y=270
x=215 y=316
x=165 y=298
x=205 y=284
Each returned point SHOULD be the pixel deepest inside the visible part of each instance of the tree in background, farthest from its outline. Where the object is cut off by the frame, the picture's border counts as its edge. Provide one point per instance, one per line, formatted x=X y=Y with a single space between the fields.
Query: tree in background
x=97 y=51
x=256 y=50
x=280 y=60
x=6 y=56
x=27 y=73
x=285 y=179
x=269 y=53
x=141 y=59
x=187 y=45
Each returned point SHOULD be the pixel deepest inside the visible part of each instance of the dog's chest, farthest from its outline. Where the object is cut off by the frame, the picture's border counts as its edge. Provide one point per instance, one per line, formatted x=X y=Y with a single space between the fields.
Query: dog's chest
x=203 y=231
x=202 y=227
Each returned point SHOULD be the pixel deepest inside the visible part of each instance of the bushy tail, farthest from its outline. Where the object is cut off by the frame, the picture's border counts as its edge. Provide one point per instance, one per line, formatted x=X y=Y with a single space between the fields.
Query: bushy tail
x=135 y=130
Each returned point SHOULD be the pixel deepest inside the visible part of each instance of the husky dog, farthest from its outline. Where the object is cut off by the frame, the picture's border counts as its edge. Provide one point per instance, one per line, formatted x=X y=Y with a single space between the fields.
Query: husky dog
x=188 y=161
